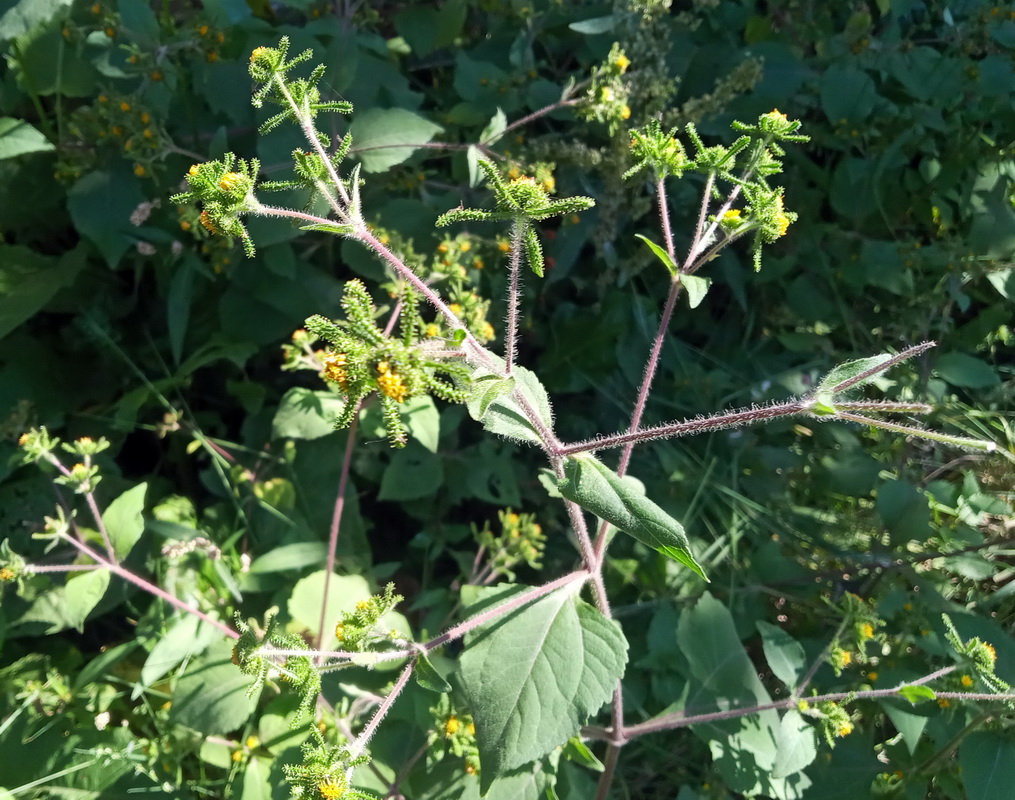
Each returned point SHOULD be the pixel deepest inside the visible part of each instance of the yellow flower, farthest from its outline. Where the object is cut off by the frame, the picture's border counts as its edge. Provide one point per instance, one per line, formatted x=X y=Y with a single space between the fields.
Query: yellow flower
x=139 y=170
x=625 y=112
x=781 y=220
x=103 y=98
x=230 y=181
x=465 y=247
x=733 y=217
x=145 y=118
x=147 y=133
x=340 y=632
x=363 y=605
x=252 y=742
x=432 y=330
x=391 y=384
x=944 y=702
x=212 y=57
x=866 y=631
x=872 y=676
x=203 y=30
x=622 y=62
x=966 y=681
x=451 y=726
x=844 y=729
x=503 y=245
x=124 y=105
x=455 y=309
x=208 y=222
x=334 y=367
x=237 y=755
x=23 y=440
x=991 y=650
x=110 y=31
x=6 y=574
x=606 y=94
x=486 y=330
x=96 y=8
x=777 y=116
x=332 y=789
x=156 y=75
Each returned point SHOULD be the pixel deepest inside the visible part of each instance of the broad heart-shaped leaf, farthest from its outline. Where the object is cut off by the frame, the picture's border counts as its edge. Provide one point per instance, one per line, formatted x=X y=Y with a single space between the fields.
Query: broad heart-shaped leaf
x=534 y=678
x=211 y=697
x=745 y=749
x=306 y=414
x=18 y=137
x=493 y=403
x=383 y=137
x=28 y=280
x=123 y=519
x=988 y=765
x=82 y=593
x=697 y=287
x=850 y=369
x=622 y=503
x=188 y=637
x=797 y=747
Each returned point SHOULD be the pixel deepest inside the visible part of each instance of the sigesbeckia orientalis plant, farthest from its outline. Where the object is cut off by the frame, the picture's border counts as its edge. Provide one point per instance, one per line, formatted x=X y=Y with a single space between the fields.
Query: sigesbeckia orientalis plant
x=520 y=714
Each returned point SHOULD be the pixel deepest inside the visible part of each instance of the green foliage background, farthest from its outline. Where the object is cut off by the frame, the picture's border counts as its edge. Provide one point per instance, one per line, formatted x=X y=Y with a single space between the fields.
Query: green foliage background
x=120 y=317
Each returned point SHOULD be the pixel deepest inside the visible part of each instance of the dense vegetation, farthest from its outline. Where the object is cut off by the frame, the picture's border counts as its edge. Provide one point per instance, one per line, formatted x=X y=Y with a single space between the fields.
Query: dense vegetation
x=198 y=456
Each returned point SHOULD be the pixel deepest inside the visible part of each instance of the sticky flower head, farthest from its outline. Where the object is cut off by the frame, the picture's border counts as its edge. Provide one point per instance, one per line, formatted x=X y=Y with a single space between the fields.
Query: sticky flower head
x=522 y=200
x=325 y=773
x=658 y=150
x=363 y=360
x=225 y=190
x=299 y=98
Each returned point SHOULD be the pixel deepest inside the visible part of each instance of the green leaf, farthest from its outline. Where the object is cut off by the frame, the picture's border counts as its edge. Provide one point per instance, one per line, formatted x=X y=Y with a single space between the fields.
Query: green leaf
x=847 y=93
x=849 y=370
x=534 y=678
x=123 y=520
x=211 y=695
x=494 y=128
x=383 y=137
x=663 y=256
x=797 y=746
x=502 y=414
x=100 y=204
x=908 y=721
x=621 y=502
x=596 y=25
x=421 y=417
x=29 y=280
x=917 y=694
x=298 y=555
x=697 y=287
x=414 y=472
x=306 y=414
x=577 y=751
x=487 y=389
x=329 y=227
x=27 y=14
x=181 y=287
x=966 y=371
x=82 y=593
x=17 y=137
x=186 y=638
x=785 y=655
x=256 y=783
x=988 y=765
x=428 y=677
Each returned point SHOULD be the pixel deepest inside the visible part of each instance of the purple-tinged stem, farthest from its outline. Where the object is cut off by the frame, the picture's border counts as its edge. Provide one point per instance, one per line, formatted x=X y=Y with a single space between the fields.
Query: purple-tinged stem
x=669 y=430
x=358 y=746
x=336 y=525
x=151 y=588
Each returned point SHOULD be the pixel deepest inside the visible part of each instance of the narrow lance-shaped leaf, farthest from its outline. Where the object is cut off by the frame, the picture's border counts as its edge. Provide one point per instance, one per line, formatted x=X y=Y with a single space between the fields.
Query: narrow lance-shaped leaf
x=597 y=488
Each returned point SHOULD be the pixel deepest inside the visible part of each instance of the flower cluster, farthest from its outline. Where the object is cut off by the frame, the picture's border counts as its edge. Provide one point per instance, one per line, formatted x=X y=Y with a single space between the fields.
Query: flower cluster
x=362 y=360
x=363 y=627
x=457 y=731
x=253 y=655
x=608 y=94
x=325 y=773
x=521 y=540
x=522 y=201
x=225 y=190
